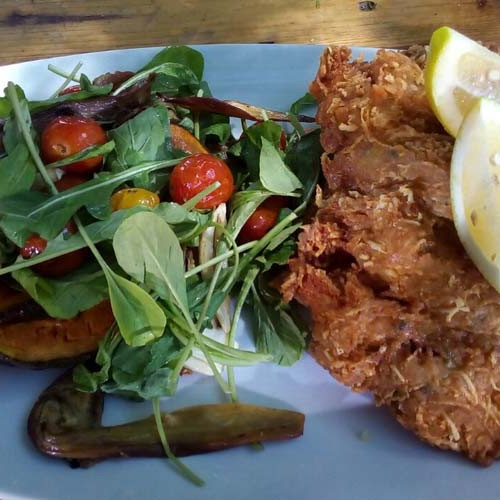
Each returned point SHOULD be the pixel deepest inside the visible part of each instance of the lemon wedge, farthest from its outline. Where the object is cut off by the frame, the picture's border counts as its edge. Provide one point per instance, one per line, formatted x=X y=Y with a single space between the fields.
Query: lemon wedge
x=475 y=187
x=459 y=70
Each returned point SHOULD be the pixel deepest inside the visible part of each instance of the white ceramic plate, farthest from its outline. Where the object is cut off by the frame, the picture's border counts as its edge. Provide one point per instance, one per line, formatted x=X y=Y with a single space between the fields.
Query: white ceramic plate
x=329 y=461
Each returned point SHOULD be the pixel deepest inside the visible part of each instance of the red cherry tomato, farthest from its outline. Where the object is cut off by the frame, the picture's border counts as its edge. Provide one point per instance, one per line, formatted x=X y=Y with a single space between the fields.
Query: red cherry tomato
x=195 y=173
x=33 y=246
x=70 y=90
x=283 y=140
x=262 y=220
x=69 y=181
x=59 y=266
x=67 y=135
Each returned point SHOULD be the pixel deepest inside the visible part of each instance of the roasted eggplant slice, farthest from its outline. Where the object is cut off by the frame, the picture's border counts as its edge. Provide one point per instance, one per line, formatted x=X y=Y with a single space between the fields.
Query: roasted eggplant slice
x=66 y=423
x=233 y=108
x=40 y=342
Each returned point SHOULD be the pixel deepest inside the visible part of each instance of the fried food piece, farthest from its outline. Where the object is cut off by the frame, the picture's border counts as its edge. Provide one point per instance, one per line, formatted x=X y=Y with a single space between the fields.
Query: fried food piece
x=398 y=308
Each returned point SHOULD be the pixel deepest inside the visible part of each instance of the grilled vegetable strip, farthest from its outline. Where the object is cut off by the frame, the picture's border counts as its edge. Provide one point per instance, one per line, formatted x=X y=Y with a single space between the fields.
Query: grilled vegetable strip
x=66 y=423
x=233 y=108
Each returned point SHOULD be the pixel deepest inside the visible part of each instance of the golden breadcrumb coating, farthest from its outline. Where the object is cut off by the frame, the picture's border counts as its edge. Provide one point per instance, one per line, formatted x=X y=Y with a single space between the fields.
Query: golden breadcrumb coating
x=398 y=308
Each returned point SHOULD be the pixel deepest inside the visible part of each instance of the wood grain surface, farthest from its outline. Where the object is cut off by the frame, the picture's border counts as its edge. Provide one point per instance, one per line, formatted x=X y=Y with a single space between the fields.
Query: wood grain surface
x=32 y=29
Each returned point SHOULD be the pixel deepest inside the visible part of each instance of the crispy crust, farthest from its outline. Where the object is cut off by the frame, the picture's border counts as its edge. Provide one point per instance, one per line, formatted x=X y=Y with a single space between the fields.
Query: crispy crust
x=398 y=308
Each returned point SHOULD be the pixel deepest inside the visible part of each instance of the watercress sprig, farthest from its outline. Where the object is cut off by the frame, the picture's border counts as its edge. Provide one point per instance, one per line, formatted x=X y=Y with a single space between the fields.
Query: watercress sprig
x=68 y=80
x=183 y=469
x=57 y=71
x=242 y=296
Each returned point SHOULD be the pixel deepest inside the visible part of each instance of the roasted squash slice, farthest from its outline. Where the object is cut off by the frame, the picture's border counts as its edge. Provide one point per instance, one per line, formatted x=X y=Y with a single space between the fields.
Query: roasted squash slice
x=46 y=342
x=185 y=141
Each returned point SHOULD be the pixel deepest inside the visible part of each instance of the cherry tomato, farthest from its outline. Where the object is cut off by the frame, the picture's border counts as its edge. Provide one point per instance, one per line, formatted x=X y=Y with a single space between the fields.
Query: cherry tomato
x=70 y=90
x=59 y=266
x=33 y=246
x=69 y=181
x=195 y=173
x=67 y=135
x=262 y=220
x=132 y=197
x=283 y=140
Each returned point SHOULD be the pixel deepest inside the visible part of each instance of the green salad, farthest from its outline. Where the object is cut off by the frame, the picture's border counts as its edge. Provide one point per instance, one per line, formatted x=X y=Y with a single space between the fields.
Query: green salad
x=161 y=211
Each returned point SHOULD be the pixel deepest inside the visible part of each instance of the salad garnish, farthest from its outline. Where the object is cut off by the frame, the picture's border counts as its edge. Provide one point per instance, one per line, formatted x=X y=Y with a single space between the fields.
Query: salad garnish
x=135 y=188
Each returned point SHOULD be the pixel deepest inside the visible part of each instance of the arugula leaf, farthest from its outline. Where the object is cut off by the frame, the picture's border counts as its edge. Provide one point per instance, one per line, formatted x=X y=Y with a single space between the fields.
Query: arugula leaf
x=139 y=317
x=274 y=174
x=186 y=224
x=136 y=372
x=278 y=255
x=47 y=215
x=220 y=130
x=304 y=102
x=143 y=138
x=87 y=85
x=5 y=106
x=268 y=129
x=304 y=160
x=205 y=88
x=148 y=250
x=84 y=154
x=175 y=79
x=87 y=381
x=251 y=144
x=213 y=123
x=275 y=332
x=65 y=297
x=171 y=79
x=179 y=54
x=17 y=171
x=144 y=372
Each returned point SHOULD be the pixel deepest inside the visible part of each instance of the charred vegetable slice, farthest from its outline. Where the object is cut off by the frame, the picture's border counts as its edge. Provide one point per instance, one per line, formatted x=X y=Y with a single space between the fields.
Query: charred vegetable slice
x=10 y=298
x=52 y=341
x=66 y=423
x=233 y=108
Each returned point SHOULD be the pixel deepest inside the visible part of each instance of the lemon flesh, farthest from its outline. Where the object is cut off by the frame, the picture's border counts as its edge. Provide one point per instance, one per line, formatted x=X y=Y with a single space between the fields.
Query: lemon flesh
x=475 y=187
x=459 y=70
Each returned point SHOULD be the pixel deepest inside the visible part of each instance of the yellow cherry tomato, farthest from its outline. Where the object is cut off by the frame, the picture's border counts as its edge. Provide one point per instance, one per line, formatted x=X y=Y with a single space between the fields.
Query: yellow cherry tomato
x=132 y=197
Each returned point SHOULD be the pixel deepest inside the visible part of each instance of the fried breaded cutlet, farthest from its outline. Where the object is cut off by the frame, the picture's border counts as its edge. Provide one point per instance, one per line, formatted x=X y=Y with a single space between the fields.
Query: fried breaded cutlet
x=398 y=309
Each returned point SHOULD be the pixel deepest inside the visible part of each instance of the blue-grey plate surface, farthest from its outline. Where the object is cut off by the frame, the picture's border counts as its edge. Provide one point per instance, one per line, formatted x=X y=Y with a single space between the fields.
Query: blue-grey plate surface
x=329 y=462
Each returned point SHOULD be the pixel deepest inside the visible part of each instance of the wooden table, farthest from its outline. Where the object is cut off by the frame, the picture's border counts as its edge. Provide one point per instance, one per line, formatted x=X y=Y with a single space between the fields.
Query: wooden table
x=38 y=28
